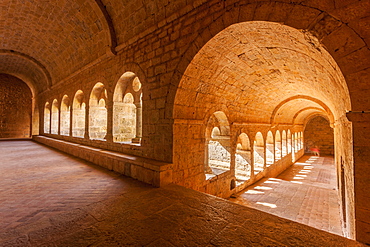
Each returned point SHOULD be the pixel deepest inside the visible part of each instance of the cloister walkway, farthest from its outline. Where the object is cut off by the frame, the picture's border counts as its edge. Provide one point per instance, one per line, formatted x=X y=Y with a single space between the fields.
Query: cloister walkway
x=306 y=193
x=48 y=198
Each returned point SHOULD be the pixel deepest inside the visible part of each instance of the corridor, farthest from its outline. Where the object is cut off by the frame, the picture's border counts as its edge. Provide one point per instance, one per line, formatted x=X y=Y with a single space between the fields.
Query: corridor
x=306 y=193
x=48 y=198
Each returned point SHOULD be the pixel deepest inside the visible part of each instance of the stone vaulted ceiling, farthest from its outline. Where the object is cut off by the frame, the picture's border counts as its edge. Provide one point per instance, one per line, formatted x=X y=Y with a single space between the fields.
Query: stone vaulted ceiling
x=43 y=42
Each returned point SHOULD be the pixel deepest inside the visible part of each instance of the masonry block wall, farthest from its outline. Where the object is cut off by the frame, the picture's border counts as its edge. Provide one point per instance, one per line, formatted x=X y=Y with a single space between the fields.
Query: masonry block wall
x=319 y=133
x=251 y=74
x=15 y=108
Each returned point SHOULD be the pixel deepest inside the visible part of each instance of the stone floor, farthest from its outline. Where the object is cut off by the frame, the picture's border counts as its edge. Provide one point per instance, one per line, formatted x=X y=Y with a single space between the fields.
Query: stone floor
x=51 y=199
x=306 y=192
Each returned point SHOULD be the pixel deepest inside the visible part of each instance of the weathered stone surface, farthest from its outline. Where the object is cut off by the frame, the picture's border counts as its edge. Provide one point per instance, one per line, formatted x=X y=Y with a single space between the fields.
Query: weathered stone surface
x=193 y=58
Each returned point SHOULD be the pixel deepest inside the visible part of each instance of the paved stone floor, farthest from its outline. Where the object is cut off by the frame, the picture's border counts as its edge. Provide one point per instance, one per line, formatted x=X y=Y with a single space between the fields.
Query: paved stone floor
x=50 y=199
x=306 y=192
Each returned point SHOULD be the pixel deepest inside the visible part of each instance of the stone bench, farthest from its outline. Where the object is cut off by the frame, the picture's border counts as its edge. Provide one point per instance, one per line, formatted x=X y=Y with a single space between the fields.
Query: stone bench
x=146 y=170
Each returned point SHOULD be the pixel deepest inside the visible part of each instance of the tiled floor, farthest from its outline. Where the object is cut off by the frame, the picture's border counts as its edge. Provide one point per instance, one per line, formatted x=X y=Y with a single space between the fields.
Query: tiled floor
x=51 y=199
x=306 y=192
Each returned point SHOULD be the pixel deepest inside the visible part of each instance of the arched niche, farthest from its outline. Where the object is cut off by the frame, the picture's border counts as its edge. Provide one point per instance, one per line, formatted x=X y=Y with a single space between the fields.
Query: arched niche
x=65 y=115
x=79 y=114
x=98 y=113
x=127 y=109
x=218 y=145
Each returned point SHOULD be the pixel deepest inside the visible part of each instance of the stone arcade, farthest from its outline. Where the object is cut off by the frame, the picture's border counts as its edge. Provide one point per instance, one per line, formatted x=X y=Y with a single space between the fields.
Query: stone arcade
x=209 y=95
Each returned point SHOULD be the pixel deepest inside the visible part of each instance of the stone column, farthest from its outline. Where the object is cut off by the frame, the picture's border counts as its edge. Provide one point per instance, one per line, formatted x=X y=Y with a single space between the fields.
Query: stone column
x=70 y=120
x=59 y=113
x=109 y=134
x=87 y=120
x=138 y=123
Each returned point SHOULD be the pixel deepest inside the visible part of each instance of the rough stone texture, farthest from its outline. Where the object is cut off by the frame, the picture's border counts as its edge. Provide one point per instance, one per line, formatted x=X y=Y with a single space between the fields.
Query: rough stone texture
x=318 y=133
x=61 y=201
x=197 y=57
x=15 y=108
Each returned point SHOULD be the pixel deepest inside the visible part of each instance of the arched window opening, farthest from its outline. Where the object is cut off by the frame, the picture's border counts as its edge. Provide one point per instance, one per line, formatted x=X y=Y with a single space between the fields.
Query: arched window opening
x=259 y=153
x=78 y=114
x=218 y=145
x=127 y=109
x=284 y=144
x=277 y=145
x=47 y=118
x=294 y=147
x=243 y=158
x=98 y=113
x=65 y=116
x=296 y=142
x=270 y=149
x=301 y=139
x=54 y=117
x=289 y=142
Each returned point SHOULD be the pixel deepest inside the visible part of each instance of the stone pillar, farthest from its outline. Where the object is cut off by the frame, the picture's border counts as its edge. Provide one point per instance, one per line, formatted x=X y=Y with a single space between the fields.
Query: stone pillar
x=71 y=120
x=87 y=120
x=109 y=134
x=59 y=113
x=138 y=123
x=265 y=155
x=361 y=172
x=252 y=160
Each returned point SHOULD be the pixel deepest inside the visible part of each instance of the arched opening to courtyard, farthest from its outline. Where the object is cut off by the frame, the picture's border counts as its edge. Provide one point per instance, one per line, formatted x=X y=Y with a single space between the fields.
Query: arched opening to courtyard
x=47 y=118
x=78 y=114
x=127 y=109
x=270 y=150
x=65 y=116
x=259 y=154
x=284 y=144
x=243 y=159
x=277 y=146
x=98 y=113
x=218 y=157
x=54 y=117
x=289 y=142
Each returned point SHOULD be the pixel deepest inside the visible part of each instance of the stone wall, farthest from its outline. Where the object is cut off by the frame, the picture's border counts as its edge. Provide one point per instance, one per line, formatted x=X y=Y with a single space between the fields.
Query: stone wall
x=163 y=38
x=15 y=108
x=318 y=133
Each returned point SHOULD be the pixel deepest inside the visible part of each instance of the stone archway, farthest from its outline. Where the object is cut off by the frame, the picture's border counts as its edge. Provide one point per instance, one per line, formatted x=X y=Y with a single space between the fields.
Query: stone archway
x=262 y=73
